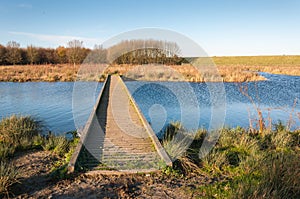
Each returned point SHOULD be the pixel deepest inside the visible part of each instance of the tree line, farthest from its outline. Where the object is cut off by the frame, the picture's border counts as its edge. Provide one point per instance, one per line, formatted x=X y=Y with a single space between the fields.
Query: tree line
x=125 y=52
x=12 y=54
x=145 y=52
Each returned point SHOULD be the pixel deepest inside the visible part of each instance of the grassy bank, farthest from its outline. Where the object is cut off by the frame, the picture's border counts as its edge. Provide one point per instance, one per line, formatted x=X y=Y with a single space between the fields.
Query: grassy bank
x=231 y=69
x=242 y=164
x=24 y=133
x=246 y=164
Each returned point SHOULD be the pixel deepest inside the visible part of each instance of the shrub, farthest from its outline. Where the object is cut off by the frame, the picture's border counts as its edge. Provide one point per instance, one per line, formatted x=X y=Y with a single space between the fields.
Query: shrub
x=171 y=130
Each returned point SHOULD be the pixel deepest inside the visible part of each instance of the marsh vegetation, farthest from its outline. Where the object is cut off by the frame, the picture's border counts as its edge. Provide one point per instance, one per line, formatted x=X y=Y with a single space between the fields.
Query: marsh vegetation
x=230 y=69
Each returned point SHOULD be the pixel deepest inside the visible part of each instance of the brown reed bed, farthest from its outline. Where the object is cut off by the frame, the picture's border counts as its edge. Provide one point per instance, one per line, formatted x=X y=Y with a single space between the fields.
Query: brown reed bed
x=228 y=69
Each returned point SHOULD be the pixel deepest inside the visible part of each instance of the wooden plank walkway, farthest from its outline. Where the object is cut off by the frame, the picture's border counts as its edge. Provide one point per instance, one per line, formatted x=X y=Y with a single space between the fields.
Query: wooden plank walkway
x=117 y=135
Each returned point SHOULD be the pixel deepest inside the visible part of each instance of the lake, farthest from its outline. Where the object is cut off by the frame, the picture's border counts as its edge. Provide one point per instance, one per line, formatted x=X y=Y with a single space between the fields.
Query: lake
x=161 y=102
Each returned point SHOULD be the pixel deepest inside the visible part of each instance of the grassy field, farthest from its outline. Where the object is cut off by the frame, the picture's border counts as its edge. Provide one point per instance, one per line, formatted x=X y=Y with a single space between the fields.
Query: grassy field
x=287 y=65
x=284 y=60
x=230 y=69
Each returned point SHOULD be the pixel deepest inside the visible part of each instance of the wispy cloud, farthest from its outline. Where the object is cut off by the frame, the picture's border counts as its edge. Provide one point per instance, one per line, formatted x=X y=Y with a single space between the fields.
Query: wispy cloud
x=24 y=5
x=58 y=39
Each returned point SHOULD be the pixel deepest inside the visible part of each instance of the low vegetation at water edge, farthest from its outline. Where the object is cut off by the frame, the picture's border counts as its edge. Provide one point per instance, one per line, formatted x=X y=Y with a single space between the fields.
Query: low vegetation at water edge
x=246 y=164
x=21 y=133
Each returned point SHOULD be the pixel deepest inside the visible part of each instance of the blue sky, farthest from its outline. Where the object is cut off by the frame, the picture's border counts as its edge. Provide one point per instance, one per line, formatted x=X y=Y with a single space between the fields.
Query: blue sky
x=220 y=27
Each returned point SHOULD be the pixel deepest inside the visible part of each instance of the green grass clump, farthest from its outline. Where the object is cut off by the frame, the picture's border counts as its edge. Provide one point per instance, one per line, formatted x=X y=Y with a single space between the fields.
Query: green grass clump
x=257 y=166
x=58 y=144
x=65 y=149
x=8 y=176
x=60 y=172
x=18 y=133
x=19 y=130
x=176 y=141
x=277 y=177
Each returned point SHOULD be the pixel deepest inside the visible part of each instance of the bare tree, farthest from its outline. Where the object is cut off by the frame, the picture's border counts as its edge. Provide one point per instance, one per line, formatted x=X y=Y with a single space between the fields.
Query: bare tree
x=98 y=55
x=13 y=54
x=32 y=54
x=75 y=52
x=145 y=52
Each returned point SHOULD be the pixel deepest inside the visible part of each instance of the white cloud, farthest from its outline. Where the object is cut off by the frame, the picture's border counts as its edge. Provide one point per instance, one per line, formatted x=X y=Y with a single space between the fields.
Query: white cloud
x=57 y=40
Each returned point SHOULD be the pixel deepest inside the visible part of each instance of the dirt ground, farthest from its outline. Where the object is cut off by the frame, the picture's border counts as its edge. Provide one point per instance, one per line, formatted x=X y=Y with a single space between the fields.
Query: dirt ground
x=35 y=182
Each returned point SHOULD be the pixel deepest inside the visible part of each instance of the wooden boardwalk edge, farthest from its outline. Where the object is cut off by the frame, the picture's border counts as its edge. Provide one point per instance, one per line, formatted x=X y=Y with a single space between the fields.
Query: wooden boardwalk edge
x=75 y=155
x=160 y=150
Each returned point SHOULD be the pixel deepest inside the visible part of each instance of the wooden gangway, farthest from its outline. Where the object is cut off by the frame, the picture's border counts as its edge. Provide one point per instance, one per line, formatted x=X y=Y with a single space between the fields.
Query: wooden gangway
x=117 y=136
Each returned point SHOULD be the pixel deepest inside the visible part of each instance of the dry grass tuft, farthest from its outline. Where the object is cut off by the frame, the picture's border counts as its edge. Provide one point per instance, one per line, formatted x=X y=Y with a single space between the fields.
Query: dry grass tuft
x=16 y=130
x=8 y=176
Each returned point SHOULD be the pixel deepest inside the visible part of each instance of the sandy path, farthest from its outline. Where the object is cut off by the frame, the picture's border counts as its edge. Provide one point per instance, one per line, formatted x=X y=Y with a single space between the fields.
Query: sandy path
x=35 y=183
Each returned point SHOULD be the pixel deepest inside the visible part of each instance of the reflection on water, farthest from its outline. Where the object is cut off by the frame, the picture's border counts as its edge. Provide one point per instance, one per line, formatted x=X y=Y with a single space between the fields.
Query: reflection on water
x=52 y=102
